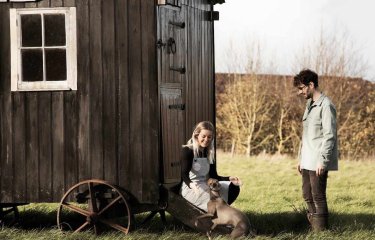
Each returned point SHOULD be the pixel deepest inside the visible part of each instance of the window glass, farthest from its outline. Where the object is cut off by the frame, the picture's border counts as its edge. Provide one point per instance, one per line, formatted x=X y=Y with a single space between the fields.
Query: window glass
x=54 y=28
x=31 y=30
x=32 y=65
x=55 y=64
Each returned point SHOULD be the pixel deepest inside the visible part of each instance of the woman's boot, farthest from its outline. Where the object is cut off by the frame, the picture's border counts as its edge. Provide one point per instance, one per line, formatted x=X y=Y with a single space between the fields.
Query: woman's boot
x=309 y=216
x=310 y=211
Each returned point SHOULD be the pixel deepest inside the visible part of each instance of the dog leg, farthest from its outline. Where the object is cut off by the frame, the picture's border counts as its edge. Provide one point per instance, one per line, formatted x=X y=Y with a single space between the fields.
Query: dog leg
x=241 y=229
x=208 y=233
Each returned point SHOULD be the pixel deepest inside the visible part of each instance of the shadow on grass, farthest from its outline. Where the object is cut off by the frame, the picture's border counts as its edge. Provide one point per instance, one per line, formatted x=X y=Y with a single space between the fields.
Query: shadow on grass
x=270 y=224
x=296 y=222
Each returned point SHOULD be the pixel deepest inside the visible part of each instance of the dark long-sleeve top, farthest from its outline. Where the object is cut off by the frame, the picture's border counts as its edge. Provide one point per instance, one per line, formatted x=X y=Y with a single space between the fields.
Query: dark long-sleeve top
x=187 y=157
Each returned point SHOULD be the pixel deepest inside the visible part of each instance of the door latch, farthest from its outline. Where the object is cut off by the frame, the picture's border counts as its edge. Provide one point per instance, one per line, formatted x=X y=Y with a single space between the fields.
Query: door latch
x=171 y=46
x=160 y=44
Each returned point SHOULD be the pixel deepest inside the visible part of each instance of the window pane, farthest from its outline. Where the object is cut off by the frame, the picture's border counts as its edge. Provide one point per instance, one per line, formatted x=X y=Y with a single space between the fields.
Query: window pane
x=54 y=25
x=32 y=65
x=56 y=64
x=31 y=25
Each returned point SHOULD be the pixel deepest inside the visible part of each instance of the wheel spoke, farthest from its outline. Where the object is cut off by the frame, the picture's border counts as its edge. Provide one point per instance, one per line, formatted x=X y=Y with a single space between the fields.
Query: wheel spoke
x=77 y=209
x=92 y=204
x=96 y=229
x=114 y=225
x=109 y=205
x=82 y=227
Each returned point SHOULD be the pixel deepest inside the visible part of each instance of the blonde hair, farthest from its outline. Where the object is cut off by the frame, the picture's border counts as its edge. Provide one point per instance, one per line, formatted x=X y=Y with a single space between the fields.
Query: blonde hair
x=192 y=143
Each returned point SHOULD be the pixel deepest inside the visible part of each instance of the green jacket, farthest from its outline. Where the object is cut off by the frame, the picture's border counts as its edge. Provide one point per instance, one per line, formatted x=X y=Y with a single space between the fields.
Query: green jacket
x=319 y=138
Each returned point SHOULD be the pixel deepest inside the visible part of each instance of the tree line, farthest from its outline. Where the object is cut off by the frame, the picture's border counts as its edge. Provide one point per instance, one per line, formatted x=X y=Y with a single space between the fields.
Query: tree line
x=262 y=113
x=258 y=112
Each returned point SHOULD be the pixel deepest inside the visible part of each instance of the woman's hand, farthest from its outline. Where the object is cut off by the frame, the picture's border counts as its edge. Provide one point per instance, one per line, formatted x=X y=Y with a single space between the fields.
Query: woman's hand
x=195 y=187
x=236 y=181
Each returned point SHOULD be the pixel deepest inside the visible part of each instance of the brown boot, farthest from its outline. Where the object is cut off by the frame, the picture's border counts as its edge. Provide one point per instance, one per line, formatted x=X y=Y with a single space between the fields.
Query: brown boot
x=319 y=222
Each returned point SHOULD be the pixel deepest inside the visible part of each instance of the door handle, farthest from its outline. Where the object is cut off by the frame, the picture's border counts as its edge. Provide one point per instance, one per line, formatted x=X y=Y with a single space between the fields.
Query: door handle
x=171 y=46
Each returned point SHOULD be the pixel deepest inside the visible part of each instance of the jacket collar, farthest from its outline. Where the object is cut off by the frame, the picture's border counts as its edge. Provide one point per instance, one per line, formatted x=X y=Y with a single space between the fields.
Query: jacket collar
x=309 y=106
x=317 y=102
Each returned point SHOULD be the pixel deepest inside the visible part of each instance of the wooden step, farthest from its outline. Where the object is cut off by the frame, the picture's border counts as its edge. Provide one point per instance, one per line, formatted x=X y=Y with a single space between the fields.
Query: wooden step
x=187 y=213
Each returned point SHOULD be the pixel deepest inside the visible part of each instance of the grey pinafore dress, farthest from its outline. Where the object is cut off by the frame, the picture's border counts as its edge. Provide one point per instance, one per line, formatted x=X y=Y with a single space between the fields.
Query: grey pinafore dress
x=199 y=174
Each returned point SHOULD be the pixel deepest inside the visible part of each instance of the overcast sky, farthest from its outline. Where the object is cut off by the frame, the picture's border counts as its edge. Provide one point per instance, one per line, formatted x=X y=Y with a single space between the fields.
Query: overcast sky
x=284 y=27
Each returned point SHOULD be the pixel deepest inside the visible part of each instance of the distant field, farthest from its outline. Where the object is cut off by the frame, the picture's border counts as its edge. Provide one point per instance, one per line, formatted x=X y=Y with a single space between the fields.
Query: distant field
x=270 y=196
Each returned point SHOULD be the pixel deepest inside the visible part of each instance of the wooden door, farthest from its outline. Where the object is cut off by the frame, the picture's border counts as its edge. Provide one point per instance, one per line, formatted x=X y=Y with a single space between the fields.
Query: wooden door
x=171 y=76
x=172 y=114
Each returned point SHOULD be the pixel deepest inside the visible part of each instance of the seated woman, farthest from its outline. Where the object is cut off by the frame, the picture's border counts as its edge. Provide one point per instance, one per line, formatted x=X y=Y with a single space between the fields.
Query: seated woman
x=198 y=165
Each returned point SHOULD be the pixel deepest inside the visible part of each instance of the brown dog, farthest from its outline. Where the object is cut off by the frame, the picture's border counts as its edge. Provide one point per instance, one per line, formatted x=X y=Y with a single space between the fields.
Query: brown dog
x=223 y=214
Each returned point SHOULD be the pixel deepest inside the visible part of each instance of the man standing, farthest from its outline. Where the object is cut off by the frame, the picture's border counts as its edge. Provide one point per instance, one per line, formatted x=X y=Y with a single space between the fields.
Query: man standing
x=319 y=152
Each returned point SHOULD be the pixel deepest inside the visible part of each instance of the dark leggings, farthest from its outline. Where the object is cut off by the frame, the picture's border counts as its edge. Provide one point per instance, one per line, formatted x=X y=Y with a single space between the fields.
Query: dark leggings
x=233 y=193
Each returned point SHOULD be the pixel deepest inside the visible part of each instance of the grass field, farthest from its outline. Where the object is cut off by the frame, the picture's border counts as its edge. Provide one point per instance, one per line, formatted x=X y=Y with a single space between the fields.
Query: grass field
x=270 y=196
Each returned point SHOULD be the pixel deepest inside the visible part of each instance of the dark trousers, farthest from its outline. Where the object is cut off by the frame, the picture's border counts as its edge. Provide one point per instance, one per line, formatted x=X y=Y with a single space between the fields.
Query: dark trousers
x=314 y=191
x=233 y=193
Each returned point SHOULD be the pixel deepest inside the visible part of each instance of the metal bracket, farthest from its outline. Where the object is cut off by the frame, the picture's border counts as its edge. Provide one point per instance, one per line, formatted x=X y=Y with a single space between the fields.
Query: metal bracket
x=211 y=16
x=177 y=106
x=177 y=24
x=181 y=70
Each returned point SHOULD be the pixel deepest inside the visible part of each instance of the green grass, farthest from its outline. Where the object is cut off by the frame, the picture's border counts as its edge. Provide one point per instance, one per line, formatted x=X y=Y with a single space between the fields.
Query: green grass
x=270 y=196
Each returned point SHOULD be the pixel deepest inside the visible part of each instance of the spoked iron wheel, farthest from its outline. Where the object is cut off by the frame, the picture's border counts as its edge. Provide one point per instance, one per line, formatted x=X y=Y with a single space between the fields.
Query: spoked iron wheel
x=94 y=205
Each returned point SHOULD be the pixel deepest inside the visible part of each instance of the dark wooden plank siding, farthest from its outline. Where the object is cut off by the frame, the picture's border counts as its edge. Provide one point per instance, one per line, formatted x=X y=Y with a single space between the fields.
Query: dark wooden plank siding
x=45 y=145
x=135 y=98
x=122 y=29
x=22 y=154
x=150 y=106
x=84 y=76
x=32 y=146
x=70 y=128
x=200 y=103
x=56 y=3
x=58 y=152
x=109 y=92
x=44 y=3
x=19 y=136
x=6 y=183
x=96 y=90
x=70 y=139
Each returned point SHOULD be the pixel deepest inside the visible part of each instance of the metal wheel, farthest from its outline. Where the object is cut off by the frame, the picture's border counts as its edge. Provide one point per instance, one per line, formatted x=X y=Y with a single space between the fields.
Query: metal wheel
x=94 y=205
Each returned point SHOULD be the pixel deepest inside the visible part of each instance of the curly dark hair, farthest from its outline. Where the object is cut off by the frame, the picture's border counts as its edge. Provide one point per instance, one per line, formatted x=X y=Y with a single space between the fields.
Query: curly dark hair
x=305 y=77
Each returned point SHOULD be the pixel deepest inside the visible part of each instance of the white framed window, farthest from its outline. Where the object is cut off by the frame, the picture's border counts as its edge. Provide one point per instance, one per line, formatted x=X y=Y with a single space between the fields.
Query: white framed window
x=18 y=1
x=43 y=49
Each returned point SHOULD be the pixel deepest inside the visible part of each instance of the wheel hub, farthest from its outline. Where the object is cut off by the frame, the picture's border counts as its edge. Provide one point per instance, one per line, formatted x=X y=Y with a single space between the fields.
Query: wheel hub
x=92 y=218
